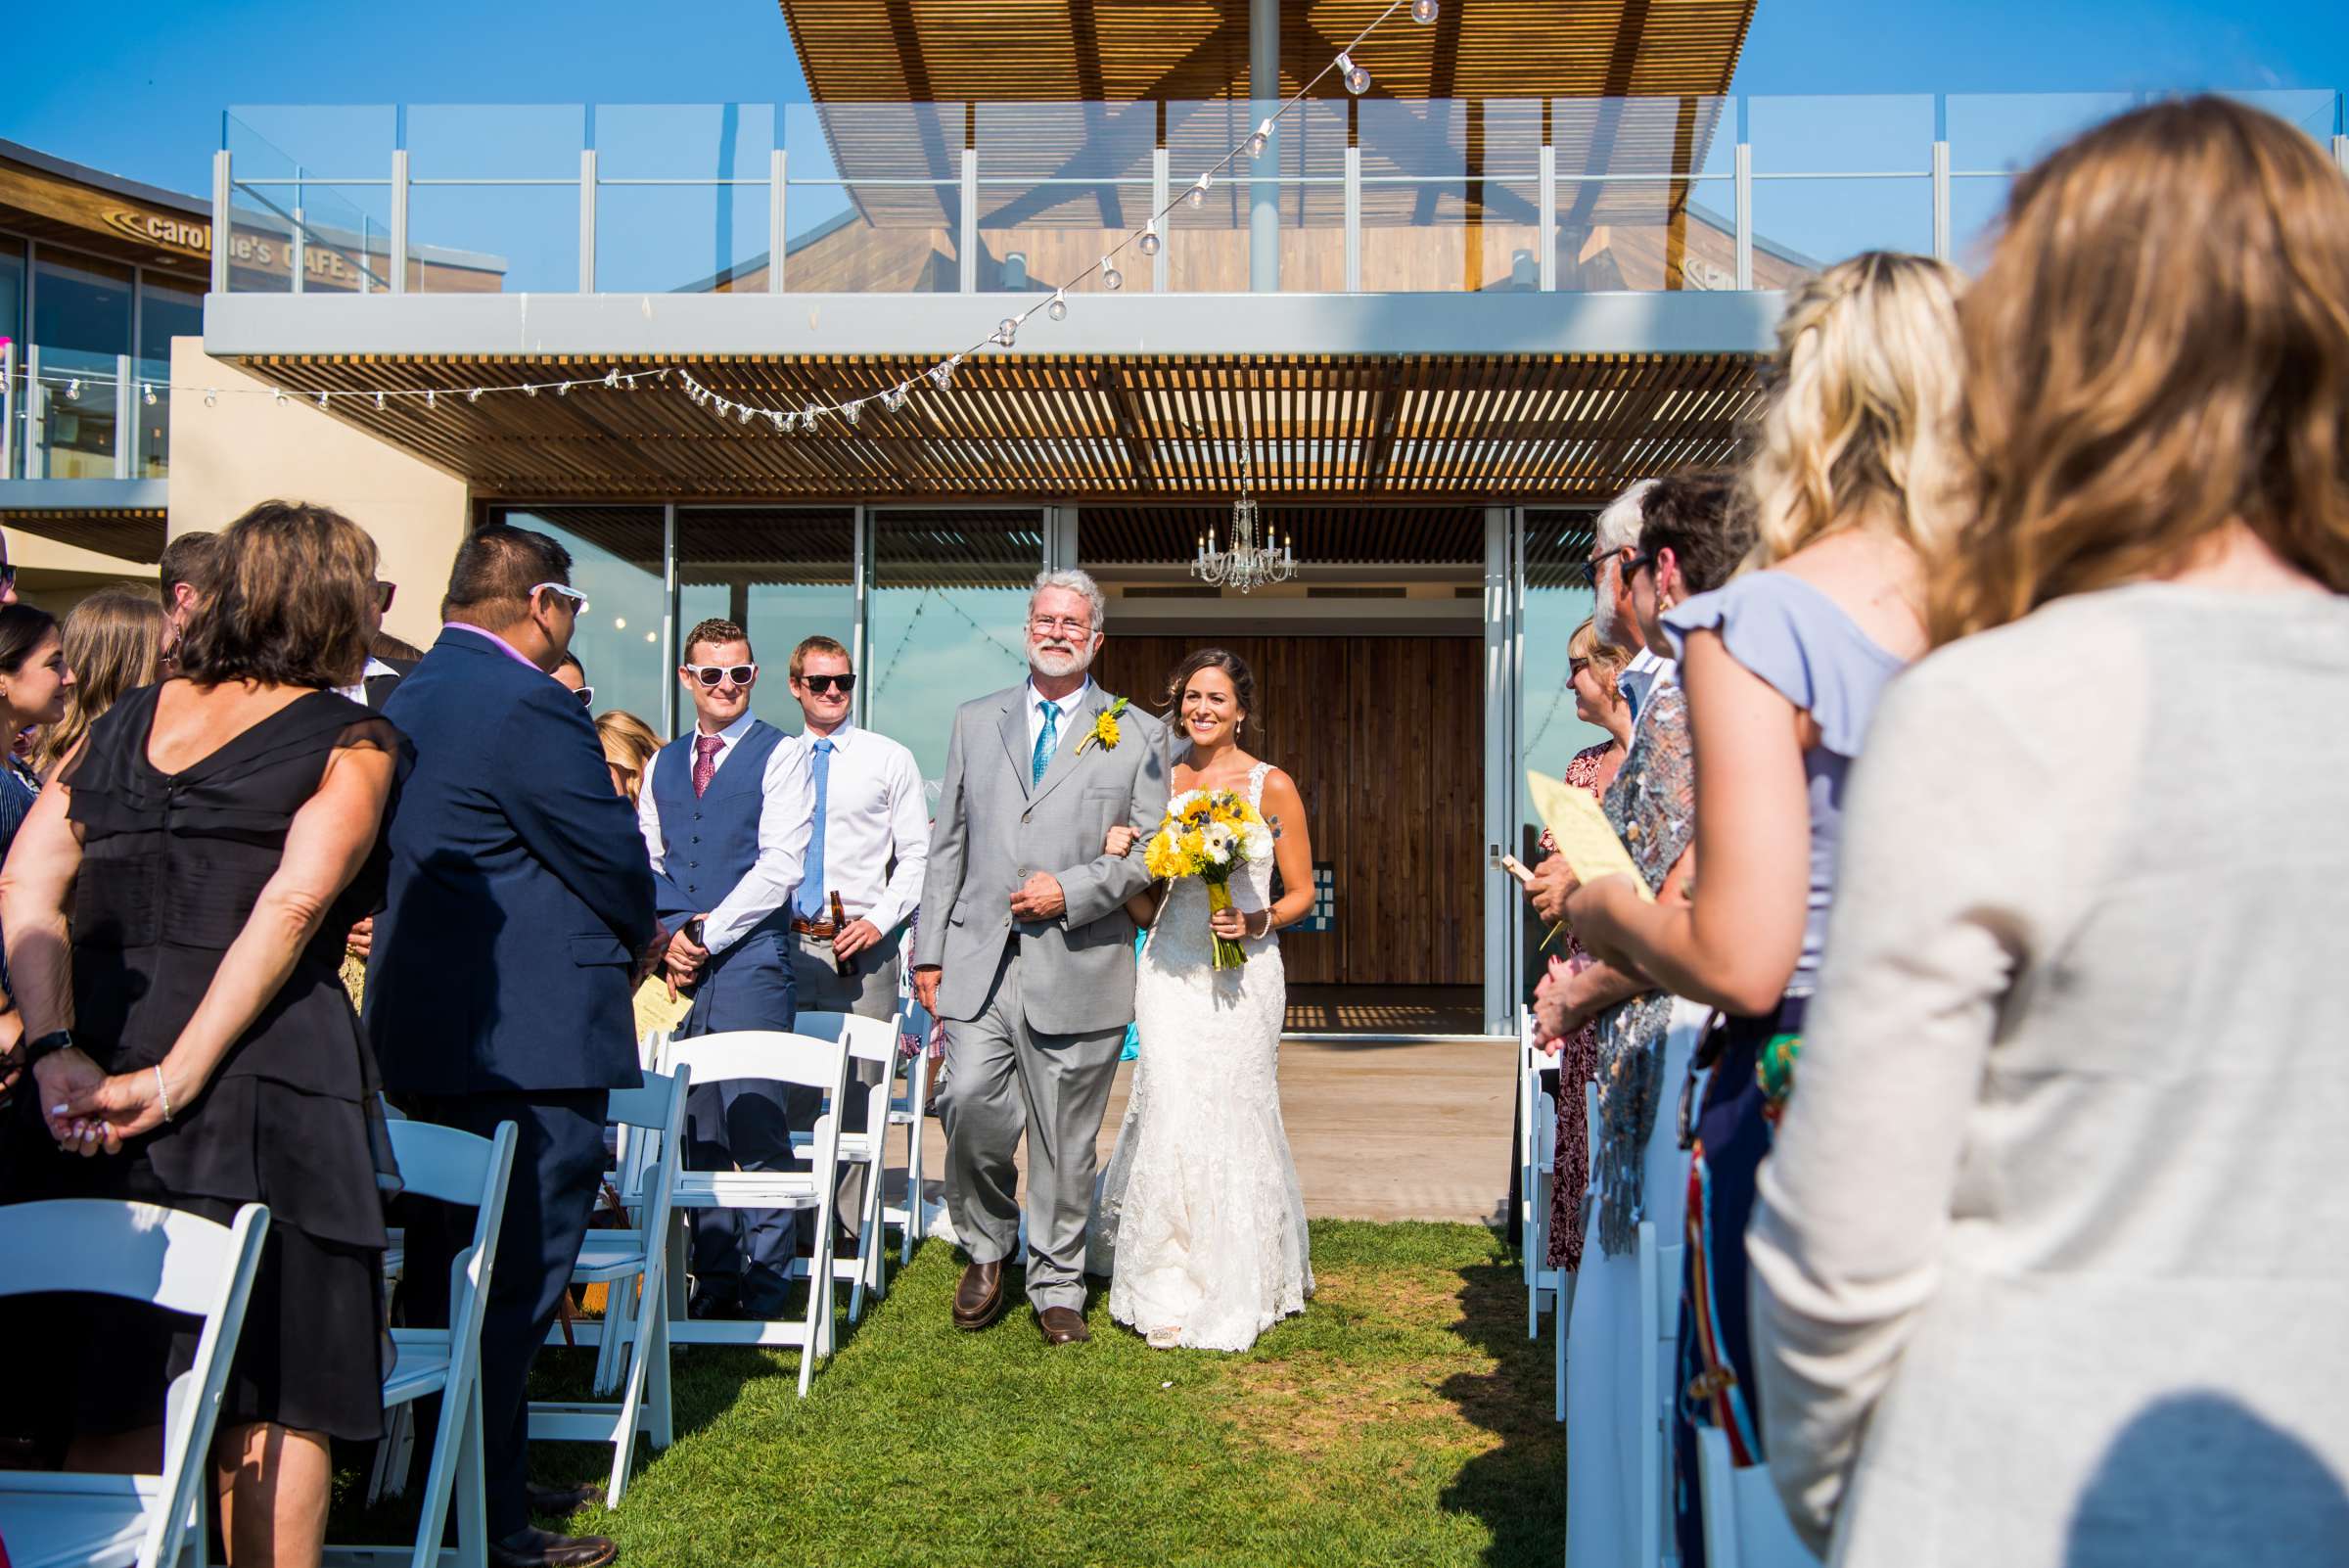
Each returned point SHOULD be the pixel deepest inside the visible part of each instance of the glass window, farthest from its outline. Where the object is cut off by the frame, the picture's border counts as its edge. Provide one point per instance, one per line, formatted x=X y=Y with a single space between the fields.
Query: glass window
x=942 y=623
x=1557 y=600
x=80 y=332
x=616 y=562
x=12 y=332
x=779 y=573
x=167 y=309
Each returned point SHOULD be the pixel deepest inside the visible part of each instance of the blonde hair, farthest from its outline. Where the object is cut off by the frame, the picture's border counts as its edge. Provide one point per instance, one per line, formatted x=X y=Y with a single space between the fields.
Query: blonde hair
x=2160 y=347
x=1606 y=659
x=114 y=643
x=628 y=745
x=1859 y=427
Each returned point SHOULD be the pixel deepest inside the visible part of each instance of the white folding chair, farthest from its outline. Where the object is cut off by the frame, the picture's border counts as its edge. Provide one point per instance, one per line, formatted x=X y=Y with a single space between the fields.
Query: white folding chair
x=782 y=1058
x=175 y=1261
x=1745 y=1523
x=633 y=1264
x=872 y=1042
x=449 y=1165
x=1659 y=1359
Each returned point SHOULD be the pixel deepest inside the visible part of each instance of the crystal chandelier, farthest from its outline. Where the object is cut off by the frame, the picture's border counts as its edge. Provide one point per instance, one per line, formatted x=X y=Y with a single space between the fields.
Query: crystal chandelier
x=1245 y=564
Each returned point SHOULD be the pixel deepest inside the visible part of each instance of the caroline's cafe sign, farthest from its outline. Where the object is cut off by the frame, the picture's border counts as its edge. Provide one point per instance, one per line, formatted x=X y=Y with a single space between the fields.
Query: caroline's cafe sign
x=270 y=253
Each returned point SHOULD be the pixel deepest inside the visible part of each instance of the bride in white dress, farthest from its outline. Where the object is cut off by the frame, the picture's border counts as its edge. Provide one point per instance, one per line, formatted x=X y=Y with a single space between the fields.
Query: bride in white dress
x=1200 y=1224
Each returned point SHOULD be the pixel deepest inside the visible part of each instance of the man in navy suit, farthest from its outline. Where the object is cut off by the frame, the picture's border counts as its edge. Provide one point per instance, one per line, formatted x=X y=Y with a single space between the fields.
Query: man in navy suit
x=521 y=897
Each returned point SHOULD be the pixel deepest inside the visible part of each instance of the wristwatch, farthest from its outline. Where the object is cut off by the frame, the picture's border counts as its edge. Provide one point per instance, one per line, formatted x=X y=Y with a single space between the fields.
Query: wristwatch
x=49 y=1044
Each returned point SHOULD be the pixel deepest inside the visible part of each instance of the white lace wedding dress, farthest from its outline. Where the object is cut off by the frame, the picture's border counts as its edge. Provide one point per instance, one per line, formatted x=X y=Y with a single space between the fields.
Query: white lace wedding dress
x=1200 y=1224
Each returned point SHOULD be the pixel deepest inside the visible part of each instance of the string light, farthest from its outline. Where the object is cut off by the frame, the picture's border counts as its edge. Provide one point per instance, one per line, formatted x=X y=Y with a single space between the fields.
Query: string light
x=1262 y=139
x=379 y=402
x=1197 y=195
x=944 y=371
x=1058 y=309
x=211 y=397
x=1149 y=242
x=1356 y=80
x=1111 y=278
x=852 y=412
x=1423 y=11
x=322 y=401
x=74 y=390
x=1007 y=330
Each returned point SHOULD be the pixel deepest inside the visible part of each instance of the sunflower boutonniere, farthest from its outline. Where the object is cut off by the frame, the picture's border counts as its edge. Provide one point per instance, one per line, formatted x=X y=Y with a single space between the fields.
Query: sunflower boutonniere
x=1105 y=732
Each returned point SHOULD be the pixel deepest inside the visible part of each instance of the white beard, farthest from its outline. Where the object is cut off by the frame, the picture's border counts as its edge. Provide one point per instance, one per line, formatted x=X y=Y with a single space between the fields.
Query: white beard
x=1602 y=622
x=1059 y=664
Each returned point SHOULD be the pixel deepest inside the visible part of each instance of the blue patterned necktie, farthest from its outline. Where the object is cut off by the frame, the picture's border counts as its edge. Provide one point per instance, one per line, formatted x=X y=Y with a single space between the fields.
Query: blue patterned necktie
x=809 y=903
x=1047 y=741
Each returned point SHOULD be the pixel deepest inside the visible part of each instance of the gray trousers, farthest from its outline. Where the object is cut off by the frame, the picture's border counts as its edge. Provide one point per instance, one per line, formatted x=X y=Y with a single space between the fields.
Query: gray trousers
x=1004 y=1077
x=869 y=991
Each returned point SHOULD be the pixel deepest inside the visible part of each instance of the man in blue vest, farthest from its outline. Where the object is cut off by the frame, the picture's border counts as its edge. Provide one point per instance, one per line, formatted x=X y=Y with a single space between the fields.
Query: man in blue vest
x=725 y=811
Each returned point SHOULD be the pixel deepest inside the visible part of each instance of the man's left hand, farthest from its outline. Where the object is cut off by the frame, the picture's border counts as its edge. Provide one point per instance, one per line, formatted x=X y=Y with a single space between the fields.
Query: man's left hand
x=853 y=938
x=1040 y=899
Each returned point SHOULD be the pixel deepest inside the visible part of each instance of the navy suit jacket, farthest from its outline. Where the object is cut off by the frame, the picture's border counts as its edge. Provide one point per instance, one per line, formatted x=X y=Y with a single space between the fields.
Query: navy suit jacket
x=521 y=890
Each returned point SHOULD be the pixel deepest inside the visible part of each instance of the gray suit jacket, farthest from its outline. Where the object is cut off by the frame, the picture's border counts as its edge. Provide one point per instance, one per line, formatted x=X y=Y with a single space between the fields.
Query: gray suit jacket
x=992 y=831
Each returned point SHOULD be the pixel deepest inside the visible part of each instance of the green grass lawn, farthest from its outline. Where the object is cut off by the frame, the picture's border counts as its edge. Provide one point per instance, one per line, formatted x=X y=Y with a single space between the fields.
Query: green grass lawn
x=1403 y=1418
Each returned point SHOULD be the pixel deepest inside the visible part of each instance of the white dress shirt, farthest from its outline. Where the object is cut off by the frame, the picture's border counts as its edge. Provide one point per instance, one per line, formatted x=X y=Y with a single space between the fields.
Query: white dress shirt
x=874 y=811
x=783 y=822
x=1067 y=706
x=356 y=691
x=1646 y=669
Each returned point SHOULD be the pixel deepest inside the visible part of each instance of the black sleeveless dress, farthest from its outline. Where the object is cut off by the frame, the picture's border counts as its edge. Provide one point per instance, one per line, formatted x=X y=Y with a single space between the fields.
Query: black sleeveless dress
x=171 y=867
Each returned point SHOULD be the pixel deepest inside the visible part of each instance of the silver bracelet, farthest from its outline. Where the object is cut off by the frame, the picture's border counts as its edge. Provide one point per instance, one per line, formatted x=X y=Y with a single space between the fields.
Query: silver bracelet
x=160 y=1093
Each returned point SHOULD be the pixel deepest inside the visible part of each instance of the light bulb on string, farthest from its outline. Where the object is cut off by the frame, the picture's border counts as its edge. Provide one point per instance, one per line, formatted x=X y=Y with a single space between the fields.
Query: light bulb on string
x=1111 y=278
x=1423 y=11
x=807 y=417
x=148 y=394
x=1058 y=311
x=474 y=396
x=1197 y=194
x=742 y=416
x=211 y=397
x=944 y=371
x=1149 y=242
x=430 y=398
x=73 y=391
x=852 y=412
x=379 y=402
x=612 y=377
x=1261 y=139
x=787 y=422
x=322 y=400
x=1357 y=81
x=563 y=390
x=774 y=417
x=279 y=393
x=1007 y=330
x=533 y=389
x=894 y=399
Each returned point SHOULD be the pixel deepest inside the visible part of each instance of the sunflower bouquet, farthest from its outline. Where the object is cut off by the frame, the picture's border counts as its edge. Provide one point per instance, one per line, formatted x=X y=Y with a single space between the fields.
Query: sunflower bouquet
x=1209 y=834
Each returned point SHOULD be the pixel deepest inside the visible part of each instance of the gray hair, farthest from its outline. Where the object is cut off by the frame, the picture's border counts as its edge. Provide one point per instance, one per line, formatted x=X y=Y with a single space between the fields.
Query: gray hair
x=1074 y=582
x=1619 y=524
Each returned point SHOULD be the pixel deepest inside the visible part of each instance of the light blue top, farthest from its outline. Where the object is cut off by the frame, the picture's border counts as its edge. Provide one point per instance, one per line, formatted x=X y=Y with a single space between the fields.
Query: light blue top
x=1801 y=642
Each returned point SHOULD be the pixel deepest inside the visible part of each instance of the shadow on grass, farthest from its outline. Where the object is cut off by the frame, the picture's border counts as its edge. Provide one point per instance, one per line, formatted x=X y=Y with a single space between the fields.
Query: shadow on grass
x=1518 y=1488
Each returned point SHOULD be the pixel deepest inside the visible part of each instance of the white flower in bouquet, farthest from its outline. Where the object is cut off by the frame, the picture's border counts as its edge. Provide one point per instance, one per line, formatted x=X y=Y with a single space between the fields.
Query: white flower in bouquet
x=1255 y=841
x=1217 y=841
x=1181 y=804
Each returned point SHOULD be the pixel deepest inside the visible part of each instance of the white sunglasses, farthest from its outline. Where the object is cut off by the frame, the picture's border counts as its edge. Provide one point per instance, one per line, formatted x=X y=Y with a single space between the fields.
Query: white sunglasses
x=579 y=600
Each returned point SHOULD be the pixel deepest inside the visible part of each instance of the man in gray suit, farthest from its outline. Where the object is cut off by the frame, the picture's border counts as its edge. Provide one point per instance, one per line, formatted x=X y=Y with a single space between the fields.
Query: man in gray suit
x=1025 y=950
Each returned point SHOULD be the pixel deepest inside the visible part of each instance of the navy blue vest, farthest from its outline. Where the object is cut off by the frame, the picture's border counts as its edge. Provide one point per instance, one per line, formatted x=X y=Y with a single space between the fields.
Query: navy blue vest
x=709 y=845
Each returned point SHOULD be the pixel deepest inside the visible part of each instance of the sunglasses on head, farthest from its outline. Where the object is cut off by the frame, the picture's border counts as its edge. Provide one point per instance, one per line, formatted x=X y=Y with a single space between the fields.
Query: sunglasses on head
x=843 y=684
x=711 y=675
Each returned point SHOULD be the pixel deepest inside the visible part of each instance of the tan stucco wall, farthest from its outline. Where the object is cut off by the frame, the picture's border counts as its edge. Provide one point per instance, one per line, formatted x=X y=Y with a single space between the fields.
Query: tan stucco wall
x=245 y=449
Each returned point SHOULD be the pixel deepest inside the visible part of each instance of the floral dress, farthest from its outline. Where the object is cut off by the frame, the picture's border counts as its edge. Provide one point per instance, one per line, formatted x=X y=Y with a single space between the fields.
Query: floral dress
x=1578 y=1064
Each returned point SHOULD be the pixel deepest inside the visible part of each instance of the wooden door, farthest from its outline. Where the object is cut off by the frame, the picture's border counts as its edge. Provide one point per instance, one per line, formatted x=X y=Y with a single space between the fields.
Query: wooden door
x=1385 y=739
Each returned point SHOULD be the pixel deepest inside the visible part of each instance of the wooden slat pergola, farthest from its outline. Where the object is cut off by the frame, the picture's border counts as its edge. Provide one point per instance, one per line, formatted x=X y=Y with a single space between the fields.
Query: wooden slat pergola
x=1358 y=431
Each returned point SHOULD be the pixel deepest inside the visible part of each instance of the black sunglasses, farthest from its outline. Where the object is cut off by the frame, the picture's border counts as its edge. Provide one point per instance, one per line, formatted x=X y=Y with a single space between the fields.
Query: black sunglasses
x=8 y=576
x=711 y=675
x=1635 y=565
x=383 y=592
x=820 y=684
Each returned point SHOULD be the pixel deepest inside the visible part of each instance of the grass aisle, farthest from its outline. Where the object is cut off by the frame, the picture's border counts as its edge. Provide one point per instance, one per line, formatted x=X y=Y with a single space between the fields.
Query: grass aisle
x=1404 y=1418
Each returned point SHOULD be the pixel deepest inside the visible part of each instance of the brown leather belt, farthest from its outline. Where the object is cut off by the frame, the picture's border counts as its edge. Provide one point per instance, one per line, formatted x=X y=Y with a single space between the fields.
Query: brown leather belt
x=820 y=930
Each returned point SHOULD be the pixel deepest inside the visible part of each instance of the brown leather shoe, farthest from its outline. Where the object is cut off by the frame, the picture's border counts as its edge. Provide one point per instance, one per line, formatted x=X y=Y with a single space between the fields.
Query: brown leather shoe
x=979 y=1299
x=544 y=1548
x=1063 y=1325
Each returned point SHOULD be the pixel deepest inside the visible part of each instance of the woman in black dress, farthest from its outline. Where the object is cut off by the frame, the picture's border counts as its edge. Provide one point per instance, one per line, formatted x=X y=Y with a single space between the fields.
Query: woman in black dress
x=212 y=841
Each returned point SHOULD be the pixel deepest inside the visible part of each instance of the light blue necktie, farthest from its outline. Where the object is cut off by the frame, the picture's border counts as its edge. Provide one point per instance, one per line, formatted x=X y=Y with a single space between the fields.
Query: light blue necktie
x=1047 y=741
x=809 y=903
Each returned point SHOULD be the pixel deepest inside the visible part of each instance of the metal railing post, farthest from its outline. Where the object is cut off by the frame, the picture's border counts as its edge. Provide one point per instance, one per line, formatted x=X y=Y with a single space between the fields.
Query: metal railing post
x=860 y=611
x=13 y=397
x=1353 y=221
x=777 y=228
x=1549 y=229
x=1161 y=175
x=1745 y=216
x=668 y=615
x=297 y=247
x=223 y=226
x=1941 y=200
x=2340 y=153
x=127 y=416
x=588 y=220
x=968 y=235
x=399 y=221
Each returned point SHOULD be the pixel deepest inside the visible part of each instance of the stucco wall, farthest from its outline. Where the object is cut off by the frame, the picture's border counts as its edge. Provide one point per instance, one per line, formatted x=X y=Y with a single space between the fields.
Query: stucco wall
x=244 y=449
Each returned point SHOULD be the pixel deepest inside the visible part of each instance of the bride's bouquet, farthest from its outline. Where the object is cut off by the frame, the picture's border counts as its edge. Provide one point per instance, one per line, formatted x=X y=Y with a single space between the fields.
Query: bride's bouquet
x=1209 y=834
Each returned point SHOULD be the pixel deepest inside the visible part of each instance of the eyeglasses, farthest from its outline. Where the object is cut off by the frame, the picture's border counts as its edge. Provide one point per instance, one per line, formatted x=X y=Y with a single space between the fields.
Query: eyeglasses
x=1635 y=565
x=587 y=696
x=1047 y=624
x=579 y=600
x=821 y=684
x=384 y=590
x=711 y=674
x=1575 y=666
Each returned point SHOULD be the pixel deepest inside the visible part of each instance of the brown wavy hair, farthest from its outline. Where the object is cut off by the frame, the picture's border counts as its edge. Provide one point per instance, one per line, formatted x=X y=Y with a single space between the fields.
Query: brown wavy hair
x=114 y=643
x=2158 y=348
x=288 y=601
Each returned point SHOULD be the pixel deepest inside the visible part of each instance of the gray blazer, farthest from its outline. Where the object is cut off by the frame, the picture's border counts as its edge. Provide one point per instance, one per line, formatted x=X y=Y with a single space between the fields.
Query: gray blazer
x=992 y=831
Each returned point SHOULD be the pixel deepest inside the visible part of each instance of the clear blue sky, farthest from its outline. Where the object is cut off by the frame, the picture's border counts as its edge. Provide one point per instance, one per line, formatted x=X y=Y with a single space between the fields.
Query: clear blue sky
x=136 y=87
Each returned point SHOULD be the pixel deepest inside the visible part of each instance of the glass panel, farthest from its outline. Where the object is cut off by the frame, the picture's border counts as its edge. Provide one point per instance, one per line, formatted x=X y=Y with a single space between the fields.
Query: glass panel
x=1059 y=185
x=1449 y=194
x=13 y=402
x=1993 y=135
x=1855 y=134
x=1618 y=228
x=495 y=141
x=346 y=234
x=331 y=142
x=81 y=336
x=942 y=622
x=1557 y=601
x=1803 y=225
x=1307 y=167
x=616 y=560
x=167 y=309
x=703 y=237
x=874 y=202
x=780 y=575
x=2308 y=110
x=512 y=237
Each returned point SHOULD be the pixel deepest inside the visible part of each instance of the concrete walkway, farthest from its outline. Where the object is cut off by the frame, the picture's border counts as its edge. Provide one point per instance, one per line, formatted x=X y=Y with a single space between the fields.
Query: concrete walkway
x=1380 y=1130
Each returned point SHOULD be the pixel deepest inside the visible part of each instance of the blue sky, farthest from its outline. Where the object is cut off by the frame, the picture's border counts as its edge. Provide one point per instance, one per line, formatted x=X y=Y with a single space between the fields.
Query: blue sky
x=137 y=89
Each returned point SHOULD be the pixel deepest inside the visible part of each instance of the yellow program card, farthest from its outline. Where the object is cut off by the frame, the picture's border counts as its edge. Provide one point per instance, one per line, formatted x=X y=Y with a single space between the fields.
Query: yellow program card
x=1583 y=832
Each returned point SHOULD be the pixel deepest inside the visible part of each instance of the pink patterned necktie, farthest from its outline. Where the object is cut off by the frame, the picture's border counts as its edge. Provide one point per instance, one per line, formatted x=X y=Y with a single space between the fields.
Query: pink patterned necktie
x=704 y=761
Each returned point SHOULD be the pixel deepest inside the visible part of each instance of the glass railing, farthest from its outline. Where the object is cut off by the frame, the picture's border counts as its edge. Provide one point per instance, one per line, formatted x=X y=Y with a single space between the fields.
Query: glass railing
x=1352 y=195
x=74 y=414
